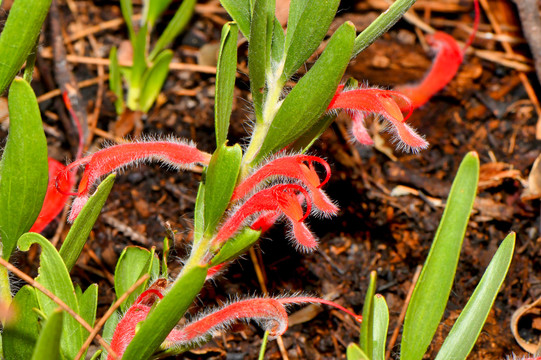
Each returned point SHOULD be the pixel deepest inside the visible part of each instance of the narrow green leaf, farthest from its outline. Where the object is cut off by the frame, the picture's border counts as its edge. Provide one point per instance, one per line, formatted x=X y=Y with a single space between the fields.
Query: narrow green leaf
x=153 y=10
x=236 y=246
x=126 y=7
x=139 y=65
x=166 y=314
x=310 y=29
x=54 y=276
x=19 y=37
x=48 y=345
x=88 y=303
x=23 y=168
x=259 y=50
x=354 y=352
x=380 y=326
x=469 y=324
x=432 y=290
x=221 y=180
x=306 y=140
x=78 y=234
x=109 y=330
x=174 y=27
x=366 y=337
x=199 y=213
x=241 y=12
x=20 y=335
x=277 y=46
x=381 y=25
x=296 y=9
x=153 y=80
x=133 y=263
x=115 y=80
x=307 y=102
x=225 y=81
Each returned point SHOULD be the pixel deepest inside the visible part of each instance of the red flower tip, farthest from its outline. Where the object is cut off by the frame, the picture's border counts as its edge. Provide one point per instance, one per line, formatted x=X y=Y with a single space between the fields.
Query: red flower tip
x=446 y=63
x=308 y=299
x=282 y=198
x=54 y=200
x=386 y=103
x=299 y=167
x=172 y=152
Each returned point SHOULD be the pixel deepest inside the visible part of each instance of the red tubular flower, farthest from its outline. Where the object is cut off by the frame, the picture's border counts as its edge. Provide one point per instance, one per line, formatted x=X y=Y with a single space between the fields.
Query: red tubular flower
x=386 y=103
x=54 y=200
x=269 y=312
x=300 y=167
x=172 y=152
x=446 y=63
x=280 y=198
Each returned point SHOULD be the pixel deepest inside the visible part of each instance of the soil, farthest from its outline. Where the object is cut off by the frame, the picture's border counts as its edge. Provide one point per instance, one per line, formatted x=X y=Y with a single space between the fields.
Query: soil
x=484 y=109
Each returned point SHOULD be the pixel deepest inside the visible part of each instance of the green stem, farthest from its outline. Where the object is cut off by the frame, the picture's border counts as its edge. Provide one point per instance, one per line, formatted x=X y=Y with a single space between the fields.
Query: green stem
x=263 y=346
x=30 y=62
x=379 y=26
x=270 y=107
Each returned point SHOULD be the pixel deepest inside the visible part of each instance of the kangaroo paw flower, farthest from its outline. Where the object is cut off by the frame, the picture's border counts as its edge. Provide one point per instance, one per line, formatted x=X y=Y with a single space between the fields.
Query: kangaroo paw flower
x=282 y=198
x=176 y=153
x=299 y=167
x=386 y=103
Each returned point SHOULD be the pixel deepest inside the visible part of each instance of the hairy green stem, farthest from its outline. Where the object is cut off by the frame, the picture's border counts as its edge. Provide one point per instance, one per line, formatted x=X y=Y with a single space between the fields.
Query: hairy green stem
x=382 y=24
x=5 y=288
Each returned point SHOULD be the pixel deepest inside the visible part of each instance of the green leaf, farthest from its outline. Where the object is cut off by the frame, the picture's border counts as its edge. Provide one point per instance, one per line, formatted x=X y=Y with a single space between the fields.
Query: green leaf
x=166 y=314
x=220 y=182
x=19 y=37
x=354 y=352
x=277 y=47
x=380 y=326
x=115 y=80
x=366 y=336
x=259 y=50
x=236 y=246
x=54 y=276
x=174 y=27
x=153 y=80
x=48 y=345
x=78 y=234
x=381 y=25
x=139 y=58
x=88 y=303
x=310 y=97
x=23 y=168
x=126 y=7
x=109 y=330
x=225 y=81
x=311 y=21
x=153 y=9
x=133 y=263
x=469 y=324
x=432 y=290
x=241 y=12
x=306 y=140
x=199 y=213
x=20 y=335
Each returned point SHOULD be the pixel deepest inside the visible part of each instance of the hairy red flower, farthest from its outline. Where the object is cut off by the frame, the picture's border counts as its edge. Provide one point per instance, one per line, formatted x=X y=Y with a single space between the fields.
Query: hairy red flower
x=54 y=200
x=282 y=198
x=171 y=152
x=269 y=312
x=446 y=63
x=300 y=167
x=386 y=103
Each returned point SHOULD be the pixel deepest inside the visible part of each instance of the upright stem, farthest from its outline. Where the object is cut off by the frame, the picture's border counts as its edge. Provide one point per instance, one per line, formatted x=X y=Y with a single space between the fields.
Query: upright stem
x=275 y=84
